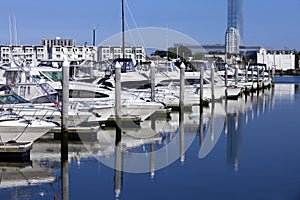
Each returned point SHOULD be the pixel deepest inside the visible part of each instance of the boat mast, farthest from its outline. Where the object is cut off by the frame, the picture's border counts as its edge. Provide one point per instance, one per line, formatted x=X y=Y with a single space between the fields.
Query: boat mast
x=123 y=29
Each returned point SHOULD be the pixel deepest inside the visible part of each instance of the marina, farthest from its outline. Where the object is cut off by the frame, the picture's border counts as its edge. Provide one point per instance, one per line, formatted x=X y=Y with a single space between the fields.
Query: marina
x=148 y=113
x=231 y=142
x=33 y=104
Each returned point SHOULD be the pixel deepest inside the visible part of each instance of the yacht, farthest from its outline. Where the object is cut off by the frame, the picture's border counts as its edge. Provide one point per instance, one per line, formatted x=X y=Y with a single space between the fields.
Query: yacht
x=20 y=129
x=10 y=100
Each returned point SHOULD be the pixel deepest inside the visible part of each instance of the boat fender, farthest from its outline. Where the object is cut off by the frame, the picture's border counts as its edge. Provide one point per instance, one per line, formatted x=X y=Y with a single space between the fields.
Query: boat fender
x=56 y=104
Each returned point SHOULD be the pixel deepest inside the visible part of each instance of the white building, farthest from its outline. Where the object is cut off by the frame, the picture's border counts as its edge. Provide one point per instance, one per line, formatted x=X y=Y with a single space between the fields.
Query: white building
x=106 y=53
x=56 y=49
x=280 y=59
x=232 y=41
x=59 y=48
x=76 y=53
x=58 y=42
x=32 y=54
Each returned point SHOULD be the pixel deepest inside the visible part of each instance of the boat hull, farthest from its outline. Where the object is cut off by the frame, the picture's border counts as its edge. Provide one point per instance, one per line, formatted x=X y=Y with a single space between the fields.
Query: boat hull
x=23 y=131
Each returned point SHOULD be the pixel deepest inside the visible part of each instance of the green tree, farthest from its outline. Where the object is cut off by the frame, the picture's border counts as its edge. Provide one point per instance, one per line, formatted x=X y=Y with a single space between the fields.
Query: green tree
x=199 y=56
x=162 y=54
x=183 y=52
x=159 y=53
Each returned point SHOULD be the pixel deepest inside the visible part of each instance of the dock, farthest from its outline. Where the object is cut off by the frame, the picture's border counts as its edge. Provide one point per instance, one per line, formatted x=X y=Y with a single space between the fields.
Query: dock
x=88 y=133
x=127 y=121
x=15 y=152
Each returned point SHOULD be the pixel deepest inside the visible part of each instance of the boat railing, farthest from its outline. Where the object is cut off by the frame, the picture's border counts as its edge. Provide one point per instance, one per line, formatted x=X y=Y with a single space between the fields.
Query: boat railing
x=30 y=111
x=145 y=94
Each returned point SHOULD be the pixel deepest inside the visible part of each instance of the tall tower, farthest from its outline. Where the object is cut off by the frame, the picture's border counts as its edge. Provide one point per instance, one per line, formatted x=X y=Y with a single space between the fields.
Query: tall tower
x=235 y=16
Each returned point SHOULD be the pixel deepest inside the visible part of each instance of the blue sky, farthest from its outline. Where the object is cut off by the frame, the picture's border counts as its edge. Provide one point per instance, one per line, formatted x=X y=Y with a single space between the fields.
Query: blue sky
x=269 y=23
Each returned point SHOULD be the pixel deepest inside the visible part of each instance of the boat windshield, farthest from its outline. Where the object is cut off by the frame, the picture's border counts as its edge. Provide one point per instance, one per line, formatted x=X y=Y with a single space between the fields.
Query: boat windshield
x=55 y=76
x=11 y=99
x=127 y=64
x=166 y=67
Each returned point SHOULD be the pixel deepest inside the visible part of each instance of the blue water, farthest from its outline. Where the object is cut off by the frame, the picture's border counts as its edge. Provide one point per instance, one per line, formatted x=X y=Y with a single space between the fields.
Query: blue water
x=258 y=157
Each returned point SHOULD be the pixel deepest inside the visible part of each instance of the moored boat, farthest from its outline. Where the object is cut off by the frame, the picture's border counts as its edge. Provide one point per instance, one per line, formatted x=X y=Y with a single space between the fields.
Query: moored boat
x=16 y=128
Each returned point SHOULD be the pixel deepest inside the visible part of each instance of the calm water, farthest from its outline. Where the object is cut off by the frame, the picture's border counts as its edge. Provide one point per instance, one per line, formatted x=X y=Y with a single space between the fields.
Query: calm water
x=252 y=152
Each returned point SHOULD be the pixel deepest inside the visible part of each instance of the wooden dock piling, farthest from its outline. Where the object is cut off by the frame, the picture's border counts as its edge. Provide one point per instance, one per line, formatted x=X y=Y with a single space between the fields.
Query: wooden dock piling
x=117 y=92
x=152 y=76
x=236 y=74
x=182 y=85
x=226 y=80
x=201 y=87
x=212 y=67
x=64 y=131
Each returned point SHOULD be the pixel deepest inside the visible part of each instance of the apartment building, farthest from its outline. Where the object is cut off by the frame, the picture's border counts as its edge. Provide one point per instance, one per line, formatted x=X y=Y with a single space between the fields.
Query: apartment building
x=106 y=53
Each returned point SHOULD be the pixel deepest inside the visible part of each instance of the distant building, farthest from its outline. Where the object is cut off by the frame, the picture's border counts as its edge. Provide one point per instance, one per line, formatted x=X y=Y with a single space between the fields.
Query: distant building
x=31 y=54
x=106 y=53
x=56 y=49
x=58 y=42
x=216 y=48
x=59 y=48
x=76 y=53
x=280 y=59
x=232 y=41
x=203 y=48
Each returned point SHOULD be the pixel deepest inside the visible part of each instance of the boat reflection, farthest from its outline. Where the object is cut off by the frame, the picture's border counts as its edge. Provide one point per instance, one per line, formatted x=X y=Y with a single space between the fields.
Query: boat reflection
x=21 y=178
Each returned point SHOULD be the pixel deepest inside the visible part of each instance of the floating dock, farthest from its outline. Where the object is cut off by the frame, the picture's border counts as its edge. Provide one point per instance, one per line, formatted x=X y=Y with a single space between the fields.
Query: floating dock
x=127 y=121
x=15 y=152
x=78 y=133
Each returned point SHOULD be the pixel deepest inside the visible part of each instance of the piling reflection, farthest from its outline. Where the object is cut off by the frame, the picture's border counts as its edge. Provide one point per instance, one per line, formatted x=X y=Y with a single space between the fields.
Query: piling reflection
x=234 y=140
x=65 y=179
x=182 y=136
x=152 y=150
x=118 y=162
x=213 y=129
x=201 y=125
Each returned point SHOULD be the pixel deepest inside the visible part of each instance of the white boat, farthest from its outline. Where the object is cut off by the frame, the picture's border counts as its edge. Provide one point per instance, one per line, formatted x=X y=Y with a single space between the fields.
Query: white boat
x=234 y=91
x=92 y=93
x=16 y=128
x=11 y=101
x=101 y=94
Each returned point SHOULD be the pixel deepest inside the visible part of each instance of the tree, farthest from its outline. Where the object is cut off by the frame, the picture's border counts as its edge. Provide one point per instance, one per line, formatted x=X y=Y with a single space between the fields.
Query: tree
x=164 y=54
x=183 y=52
x=199 y=56
x=159 y=53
